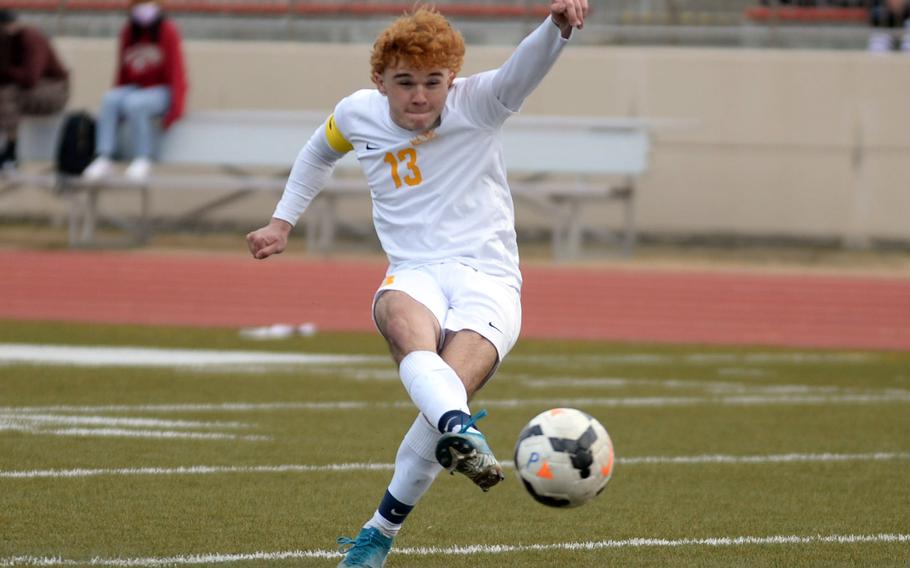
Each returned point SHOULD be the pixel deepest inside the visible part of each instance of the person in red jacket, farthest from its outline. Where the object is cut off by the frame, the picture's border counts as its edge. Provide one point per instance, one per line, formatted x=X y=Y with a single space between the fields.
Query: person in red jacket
x=33 y=81
x=150 y=84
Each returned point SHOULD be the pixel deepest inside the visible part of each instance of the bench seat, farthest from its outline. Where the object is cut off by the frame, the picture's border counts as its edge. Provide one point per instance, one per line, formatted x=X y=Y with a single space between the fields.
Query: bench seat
x=556 y=164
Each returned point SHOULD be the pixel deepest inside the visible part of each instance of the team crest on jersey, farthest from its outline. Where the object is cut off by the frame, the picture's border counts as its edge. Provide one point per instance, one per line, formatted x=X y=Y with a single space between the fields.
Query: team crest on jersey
x=424 y=137
x=142 y=57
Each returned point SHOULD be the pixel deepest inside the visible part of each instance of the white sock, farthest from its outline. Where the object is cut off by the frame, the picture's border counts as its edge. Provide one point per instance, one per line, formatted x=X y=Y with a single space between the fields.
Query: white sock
x=433 y=386
x=415 y=465
x=415 y=470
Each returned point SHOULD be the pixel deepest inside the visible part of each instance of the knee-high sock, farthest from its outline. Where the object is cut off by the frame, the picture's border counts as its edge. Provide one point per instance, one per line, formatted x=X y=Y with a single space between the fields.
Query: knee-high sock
x=415 y=470
x=435 y=388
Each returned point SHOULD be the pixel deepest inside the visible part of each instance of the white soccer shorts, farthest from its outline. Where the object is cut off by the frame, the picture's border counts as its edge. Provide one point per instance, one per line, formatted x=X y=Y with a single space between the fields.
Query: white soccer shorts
x=461 y=298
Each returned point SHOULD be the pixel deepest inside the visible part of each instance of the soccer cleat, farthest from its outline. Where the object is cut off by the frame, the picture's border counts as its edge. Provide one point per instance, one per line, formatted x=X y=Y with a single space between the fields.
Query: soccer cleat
x=369 y=549
x=469 y=454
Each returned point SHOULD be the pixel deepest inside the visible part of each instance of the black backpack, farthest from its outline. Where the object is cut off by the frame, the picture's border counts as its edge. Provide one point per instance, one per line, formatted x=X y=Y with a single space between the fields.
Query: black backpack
x=76 y=149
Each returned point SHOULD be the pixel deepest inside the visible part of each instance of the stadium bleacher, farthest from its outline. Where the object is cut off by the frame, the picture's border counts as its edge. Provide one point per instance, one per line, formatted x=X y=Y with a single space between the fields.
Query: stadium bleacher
x=746 y=23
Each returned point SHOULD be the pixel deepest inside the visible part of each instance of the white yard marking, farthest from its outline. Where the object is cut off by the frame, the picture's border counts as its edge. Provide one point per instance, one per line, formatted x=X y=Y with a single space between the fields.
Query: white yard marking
x=196 y=470
x=783 y=399
x=107 y=356
x=715 y=387
x=784 y=358
x=114 y=421
x=357 y=467
x=744 y=372
x=217 y=407
x=758 y=459
x=119 y=427
x=469 y=550
x=98 y=356
x=125 y=433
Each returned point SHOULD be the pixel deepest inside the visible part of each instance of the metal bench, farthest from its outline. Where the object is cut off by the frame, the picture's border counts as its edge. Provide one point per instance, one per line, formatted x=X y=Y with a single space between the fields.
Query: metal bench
x=557 y=164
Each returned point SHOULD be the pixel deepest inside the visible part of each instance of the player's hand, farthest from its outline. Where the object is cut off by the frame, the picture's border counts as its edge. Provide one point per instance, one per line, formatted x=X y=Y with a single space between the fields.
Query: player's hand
x=568 y=14
x=269 y=240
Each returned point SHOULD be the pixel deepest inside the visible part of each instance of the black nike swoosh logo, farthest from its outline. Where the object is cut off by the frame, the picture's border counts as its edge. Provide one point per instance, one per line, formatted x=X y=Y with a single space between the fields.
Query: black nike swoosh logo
x=494 y=327
x=372 y=147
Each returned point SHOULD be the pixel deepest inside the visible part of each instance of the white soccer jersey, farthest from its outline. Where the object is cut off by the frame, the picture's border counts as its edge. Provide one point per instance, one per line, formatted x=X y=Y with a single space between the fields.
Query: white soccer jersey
x=440 y=195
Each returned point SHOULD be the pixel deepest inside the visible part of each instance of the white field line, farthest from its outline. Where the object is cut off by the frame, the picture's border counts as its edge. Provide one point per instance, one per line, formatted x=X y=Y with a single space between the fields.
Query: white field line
x=712 y=387
x=155 y=357
x=107 y=427
x=125 y=433
x=196 y=470
x=217 y=407
x=787 y=399
x=111 y=421
x=151 y=357
x=358 y=467
x=783 y=358
x=469 y=550
x=758 y=459
x=748 y=372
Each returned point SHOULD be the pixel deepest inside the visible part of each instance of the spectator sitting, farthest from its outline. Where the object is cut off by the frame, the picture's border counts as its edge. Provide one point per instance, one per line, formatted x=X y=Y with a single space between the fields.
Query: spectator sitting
x=889 y=17
x=33 y=81
x=150 y=83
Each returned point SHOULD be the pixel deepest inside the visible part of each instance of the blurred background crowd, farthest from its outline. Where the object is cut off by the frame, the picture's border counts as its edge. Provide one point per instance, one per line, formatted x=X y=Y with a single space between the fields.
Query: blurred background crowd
x=837 y=24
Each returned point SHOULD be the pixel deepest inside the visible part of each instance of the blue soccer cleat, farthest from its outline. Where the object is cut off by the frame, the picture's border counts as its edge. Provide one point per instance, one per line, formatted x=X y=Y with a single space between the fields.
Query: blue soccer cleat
x=369 y=549
x=469 y=454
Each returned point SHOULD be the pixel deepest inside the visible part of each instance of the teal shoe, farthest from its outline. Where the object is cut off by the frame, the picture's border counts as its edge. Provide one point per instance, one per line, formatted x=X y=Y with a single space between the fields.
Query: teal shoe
x=469 y=454
x=369 y=549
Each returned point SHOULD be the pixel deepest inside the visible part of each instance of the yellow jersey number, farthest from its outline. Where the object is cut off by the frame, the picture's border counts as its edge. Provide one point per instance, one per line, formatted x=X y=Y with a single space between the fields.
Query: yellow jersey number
x=408 y=159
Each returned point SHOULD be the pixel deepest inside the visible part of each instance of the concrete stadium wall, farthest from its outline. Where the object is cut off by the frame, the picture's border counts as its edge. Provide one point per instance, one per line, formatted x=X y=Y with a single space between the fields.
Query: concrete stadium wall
x=772 y=143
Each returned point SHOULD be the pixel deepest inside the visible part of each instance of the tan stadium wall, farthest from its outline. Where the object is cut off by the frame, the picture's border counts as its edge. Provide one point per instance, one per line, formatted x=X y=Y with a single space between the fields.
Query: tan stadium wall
x=793 y=143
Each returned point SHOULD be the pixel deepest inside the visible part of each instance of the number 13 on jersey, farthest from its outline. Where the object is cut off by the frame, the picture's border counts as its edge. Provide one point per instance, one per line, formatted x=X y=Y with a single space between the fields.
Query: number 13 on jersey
x=406 y=159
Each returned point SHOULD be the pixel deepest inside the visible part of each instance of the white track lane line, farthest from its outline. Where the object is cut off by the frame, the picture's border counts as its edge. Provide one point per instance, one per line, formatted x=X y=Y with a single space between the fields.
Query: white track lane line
x=355 y=467
x=470 y=550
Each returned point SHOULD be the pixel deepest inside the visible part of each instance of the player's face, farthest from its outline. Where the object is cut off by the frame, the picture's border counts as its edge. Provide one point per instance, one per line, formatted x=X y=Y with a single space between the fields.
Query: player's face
x=416 y=96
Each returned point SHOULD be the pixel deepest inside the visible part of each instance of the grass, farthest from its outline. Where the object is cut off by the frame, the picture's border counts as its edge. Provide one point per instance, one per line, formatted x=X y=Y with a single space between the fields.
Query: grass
x=656 y=401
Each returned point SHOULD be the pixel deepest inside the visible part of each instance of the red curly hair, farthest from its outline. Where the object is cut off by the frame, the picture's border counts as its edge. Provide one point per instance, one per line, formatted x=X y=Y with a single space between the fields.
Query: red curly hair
x=421 y=38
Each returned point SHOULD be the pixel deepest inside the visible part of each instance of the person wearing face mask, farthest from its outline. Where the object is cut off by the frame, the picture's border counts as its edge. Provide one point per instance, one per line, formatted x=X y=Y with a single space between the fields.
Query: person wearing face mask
x=150 y=84
x=33 y=80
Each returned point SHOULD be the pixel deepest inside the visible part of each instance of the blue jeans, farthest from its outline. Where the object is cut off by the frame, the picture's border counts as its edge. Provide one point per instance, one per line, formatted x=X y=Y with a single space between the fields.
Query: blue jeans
x=138 y=106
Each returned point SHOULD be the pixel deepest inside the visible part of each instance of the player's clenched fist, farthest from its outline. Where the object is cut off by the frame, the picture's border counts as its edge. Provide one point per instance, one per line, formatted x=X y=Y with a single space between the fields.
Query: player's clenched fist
x=568 y=14
x=269 y=240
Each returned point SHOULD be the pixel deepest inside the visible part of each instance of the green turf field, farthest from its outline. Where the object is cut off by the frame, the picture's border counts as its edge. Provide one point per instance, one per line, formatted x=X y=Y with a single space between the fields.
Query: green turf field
x=157 y=457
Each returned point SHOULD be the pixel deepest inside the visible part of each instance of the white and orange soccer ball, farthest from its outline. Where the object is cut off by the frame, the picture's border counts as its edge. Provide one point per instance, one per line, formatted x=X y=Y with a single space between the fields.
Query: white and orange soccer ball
x=564 y=457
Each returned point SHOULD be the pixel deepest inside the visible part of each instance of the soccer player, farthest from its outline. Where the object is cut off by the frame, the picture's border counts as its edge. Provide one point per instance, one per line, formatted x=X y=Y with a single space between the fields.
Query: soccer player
x=449 y=306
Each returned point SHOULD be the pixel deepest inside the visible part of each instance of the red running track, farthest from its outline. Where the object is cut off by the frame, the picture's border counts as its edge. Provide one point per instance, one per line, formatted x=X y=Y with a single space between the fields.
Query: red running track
x=638 y=305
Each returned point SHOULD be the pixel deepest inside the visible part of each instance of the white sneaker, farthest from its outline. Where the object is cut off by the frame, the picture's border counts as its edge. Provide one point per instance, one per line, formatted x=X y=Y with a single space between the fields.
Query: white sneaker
x=139 y=169
x=100 y=168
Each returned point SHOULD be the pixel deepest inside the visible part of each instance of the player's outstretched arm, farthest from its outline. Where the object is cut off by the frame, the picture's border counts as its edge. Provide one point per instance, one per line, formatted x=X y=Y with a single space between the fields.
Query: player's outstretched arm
x=536 y=54
x=568 y=14
x=311 y=171
x=269 y=240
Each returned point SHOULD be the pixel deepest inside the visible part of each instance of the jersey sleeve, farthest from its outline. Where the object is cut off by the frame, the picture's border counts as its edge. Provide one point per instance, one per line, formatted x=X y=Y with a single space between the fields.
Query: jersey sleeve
x=312 y=170
x=528 y=65
x=492 y=96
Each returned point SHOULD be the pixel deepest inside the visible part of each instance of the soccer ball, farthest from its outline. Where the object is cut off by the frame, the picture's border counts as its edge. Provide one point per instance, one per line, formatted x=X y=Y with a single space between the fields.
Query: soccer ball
x=564 y=457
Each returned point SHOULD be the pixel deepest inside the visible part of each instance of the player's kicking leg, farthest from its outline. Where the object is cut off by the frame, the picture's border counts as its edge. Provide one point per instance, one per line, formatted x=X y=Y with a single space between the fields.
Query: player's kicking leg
x=415 y=470
x=467 y=452
x=462 y=447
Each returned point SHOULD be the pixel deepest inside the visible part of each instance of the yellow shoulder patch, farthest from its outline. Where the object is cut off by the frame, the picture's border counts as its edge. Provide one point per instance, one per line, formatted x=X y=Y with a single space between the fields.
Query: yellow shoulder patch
x=335 y=138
